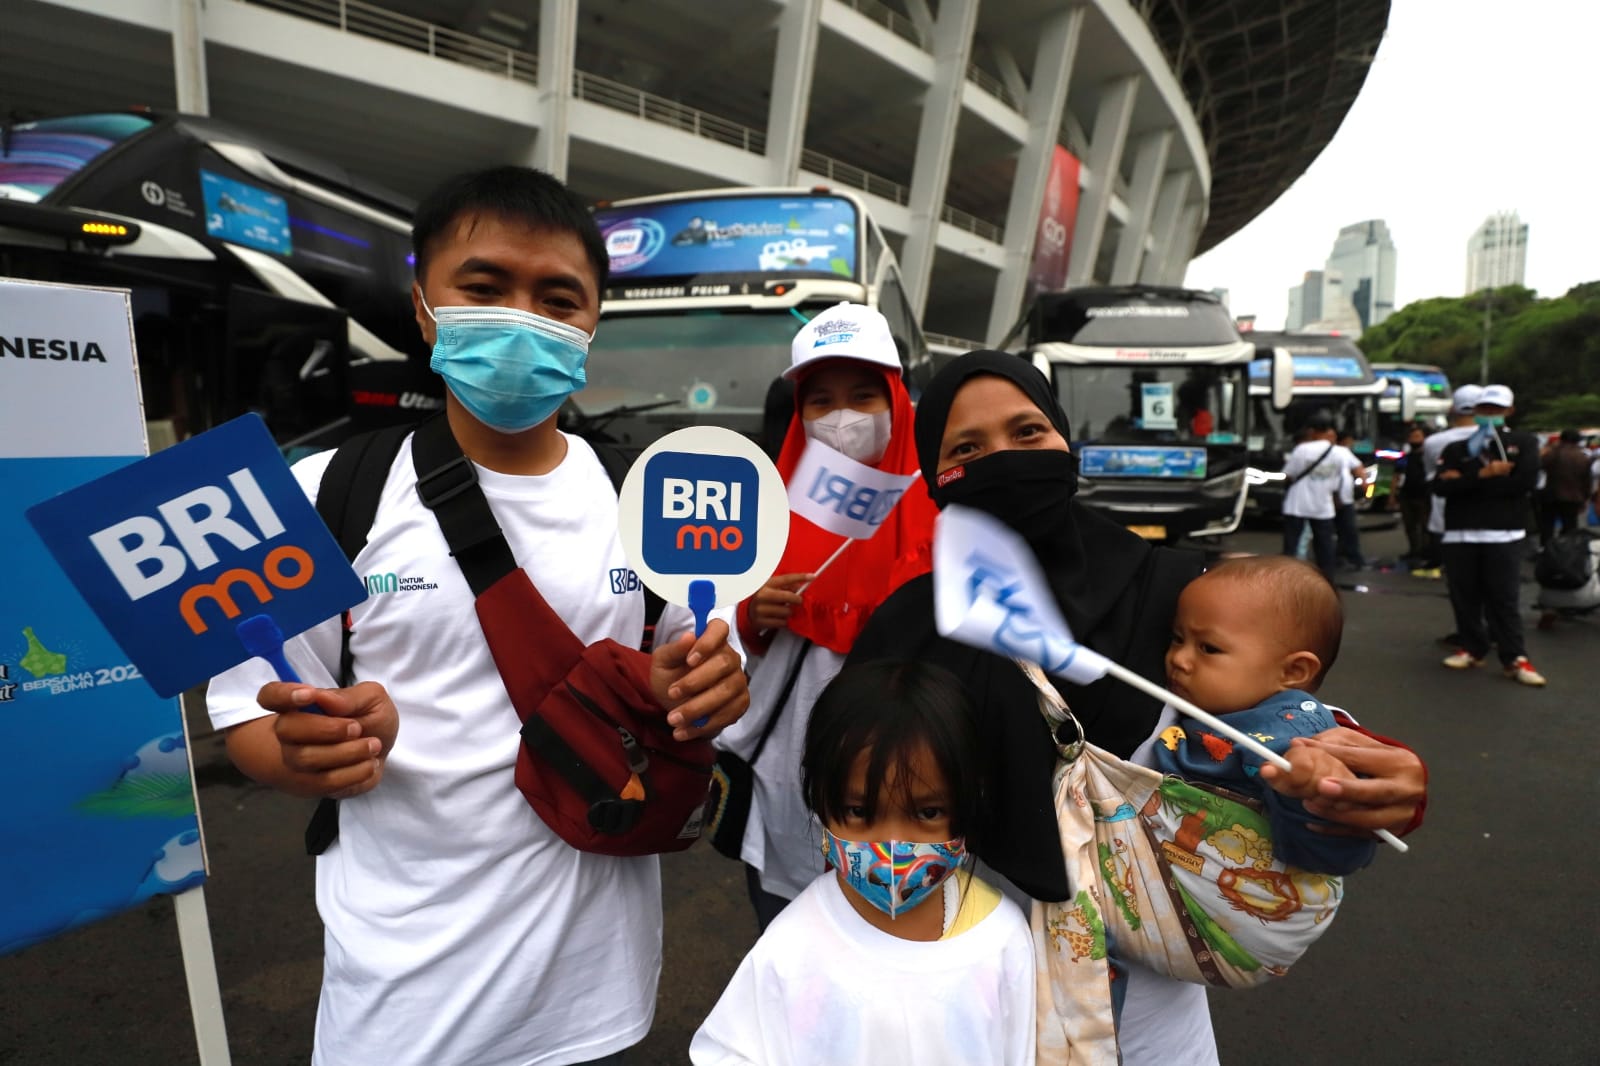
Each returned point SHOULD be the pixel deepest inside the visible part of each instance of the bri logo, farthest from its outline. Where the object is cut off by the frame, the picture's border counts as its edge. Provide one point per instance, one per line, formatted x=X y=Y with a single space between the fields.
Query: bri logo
x=624 y=581
x=695 y=518
x=136 y=551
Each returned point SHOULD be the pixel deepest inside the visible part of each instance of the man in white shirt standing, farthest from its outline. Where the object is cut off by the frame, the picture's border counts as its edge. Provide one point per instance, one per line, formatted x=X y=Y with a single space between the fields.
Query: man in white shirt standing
x=1314 y=469
x=1463 y=406
x=460 y=929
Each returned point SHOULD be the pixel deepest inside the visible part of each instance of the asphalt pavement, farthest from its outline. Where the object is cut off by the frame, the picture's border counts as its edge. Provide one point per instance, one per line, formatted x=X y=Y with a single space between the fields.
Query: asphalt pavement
x=1476 y=947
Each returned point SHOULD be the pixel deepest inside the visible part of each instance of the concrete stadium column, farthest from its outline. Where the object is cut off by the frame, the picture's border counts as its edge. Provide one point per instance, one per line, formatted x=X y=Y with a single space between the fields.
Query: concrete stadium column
x=1164 y=228
x=558 y=39
x=1181 y=250
x=1149 y=164
x=1106 y=142
x=936 y=139
x=189 y=57
x=792 y=69
x=1047 y=99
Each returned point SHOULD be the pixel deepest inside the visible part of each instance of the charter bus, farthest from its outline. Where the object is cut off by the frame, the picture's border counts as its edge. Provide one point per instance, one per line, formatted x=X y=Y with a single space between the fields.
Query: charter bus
x=707 y=291
x=1430 y=388
x=1332 y=377
x=1155 y=382
x=261 y=279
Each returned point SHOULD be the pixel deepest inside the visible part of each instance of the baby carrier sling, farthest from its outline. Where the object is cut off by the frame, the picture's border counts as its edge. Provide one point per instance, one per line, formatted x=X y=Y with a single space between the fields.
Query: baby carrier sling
x=598 y=761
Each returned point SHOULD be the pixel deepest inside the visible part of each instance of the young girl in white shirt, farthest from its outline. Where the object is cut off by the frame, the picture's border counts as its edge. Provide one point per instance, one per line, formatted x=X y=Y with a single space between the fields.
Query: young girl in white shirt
x=898 y=953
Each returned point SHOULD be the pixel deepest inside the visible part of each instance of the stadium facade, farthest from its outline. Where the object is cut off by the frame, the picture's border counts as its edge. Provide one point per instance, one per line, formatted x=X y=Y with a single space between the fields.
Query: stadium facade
x=1096 y=141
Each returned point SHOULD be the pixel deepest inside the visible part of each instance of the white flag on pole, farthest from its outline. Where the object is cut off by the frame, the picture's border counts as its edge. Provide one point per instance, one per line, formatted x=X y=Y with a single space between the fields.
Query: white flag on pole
x=990 y=593
x=842 y=495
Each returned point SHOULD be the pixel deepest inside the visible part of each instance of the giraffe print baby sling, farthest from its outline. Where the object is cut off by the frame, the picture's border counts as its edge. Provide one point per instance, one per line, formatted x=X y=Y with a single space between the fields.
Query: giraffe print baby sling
x=1172 y=876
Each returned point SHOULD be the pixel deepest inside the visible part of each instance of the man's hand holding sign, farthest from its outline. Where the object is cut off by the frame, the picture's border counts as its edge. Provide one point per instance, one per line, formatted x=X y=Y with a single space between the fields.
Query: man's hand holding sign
x=704 y=519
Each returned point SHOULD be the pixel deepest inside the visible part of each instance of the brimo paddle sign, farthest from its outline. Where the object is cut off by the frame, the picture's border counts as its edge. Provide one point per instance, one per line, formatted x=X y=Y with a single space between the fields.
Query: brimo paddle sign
x=704 y=519
x=990 y=593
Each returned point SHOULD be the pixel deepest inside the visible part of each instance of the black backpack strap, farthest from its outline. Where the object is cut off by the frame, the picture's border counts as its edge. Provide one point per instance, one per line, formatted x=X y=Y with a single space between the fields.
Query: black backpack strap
x=447 y=484
x=347 y=500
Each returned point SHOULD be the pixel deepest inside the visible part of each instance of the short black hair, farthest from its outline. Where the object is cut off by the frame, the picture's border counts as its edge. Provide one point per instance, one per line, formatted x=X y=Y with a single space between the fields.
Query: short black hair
x=519 y=194
x=1310 y=616
x=1570 y=436
x=894 y=709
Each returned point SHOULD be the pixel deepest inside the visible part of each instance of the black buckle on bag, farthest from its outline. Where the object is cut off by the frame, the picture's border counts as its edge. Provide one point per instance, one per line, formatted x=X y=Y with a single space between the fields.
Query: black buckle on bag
x=614 y=816
x=453 y=478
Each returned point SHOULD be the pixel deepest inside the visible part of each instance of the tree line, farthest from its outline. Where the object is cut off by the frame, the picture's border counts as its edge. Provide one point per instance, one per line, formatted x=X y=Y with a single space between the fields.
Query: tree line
x=1547 y=350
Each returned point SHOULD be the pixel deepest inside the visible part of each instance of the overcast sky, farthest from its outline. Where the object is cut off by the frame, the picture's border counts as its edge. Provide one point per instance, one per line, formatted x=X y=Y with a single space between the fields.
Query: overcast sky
x=1472 y=106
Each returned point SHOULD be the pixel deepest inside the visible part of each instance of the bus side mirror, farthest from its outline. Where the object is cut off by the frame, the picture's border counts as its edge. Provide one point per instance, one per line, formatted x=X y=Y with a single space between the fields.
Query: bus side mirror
x=1408 y=403
x=1282 y=379
x=1041 y=363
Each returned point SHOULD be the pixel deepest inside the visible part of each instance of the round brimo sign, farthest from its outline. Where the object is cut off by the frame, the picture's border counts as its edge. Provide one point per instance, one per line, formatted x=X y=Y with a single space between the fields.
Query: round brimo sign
x=704 y=503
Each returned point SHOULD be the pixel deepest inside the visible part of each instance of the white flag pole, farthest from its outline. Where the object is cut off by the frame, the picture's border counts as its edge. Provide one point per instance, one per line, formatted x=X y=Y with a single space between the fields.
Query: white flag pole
x=1128 y=677
x=200 y=971
x=826 y=563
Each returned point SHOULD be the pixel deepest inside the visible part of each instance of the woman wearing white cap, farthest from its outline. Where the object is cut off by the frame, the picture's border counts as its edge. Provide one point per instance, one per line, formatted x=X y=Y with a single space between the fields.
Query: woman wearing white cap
x=848 y=395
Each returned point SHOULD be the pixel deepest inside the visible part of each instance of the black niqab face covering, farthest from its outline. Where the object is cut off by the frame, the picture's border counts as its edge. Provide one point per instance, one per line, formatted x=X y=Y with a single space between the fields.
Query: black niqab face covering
x=1087 y=559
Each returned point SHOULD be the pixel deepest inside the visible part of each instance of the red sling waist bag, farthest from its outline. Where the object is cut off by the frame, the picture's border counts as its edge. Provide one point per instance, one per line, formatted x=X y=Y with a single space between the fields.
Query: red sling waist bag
x=598 y=763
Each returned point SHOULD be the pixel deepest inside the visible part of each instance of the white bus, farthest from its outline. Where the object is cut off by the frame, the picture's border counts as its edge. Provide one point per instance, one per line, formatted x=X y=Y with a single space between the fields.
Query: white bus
x=1155 y=382
x=707 y=290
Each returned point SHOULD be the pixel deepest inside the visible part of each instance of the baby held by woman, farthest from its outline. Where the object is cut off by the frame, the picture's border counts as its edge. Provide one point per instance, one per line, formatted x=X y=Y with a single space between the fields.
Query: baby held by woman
x=1252 y=640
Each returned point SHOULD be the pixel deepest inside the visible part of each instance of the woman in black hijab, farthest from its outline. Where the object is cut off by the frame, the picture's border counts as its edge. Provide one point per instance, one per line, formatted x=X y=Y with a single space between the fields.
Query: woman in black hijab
x=991 y=435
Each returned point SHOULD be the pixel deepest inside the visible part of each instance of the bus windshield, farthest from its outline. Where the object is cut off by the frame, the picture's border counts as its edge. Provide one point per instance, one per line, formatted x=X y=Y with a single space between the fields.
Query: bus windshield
x=36 y=157
x=1125 y=404
x=694 y=360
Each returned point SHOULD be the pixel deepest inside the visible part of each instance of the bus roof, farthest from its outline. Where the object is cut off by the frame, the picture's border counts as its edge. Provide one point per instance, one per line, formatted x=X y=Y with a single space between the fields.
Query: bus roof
x=1157 y=321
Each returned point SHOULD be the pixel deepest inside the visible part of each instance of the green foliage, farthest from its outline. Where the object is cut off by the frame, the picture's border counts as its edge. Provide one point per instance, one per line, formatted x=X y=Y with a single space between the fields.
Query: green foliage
x=1548 y=351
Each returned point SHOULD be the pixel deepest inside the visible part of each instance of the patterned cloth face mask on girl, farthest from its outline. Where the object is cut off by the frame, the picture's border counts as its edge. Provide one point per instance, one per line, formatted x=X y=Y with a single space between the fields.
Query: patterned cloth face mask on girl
x=893 y=875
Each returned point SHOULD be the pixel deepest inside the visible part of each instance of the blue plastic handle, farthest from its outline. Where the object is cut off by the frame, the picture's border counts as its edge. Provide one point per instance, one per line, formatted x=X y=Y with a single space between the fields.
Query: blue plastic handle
x=702 y=598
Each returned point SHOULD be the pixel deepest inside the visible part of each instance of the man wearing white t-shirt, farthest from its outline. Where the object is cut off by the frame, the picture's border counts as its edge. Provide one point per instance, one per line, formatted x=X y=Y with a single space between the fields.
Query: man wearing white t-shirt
x=1463 y=408
x=1314 y=470
x=460 y=929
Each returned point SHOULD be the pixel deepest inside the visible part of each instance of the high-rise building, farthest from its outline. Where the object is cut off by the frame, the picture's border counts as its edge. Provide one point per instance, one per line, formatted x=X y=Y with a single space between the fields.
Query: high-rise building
x=1305 y=302
x=1364 y=256
x=1497 y=254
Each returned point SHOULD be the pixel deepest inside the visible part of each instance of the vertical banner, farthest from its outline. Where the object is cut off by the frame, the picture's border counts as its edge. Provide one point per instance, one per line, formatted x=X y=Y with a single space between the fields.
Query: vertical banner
x=102 y=804
x=1058 y=212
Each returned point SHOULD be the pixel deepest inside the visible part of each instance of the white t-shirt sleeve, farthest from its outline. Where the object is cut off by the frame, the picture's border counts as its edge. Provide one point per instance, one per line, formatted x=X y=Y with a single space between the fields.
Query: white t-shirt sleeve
x=732 y=1034
x=231 y=696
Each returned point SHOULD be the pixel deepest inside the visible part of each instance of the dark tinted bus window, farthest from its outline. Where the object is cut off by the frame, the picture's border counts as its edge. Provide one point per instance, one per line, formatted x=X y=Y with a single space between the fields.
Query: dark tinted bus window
x=1110 y=320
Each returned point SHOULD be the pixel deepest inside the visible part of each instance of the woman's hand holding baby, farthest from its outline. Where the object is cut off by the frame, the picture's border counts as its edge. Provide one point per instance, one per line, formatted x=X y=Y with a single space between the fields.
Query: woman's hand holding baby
x=1310 y=767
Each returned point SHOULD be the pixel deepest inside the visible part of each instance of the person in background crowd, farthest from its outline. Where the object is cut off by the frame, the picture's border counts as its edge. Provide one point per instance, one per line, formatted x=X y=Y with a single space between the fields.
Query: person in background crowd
x=991 y=435
x=1487 y=482
x=1314 y=470
x=460 y=930
x=848 y=394
x=1463 y=405
x=1567 y=486
x=1347 y=535
x=1414 y=497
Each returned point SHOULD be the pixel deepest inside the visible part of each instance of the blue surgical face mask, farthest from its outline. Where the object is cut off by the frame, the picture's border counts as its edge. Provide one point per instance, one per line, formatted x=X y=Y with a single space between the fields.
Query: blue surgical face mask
x=893 y=875
x=510 y=369
x=1489 y=420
